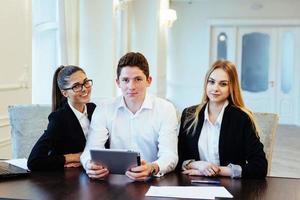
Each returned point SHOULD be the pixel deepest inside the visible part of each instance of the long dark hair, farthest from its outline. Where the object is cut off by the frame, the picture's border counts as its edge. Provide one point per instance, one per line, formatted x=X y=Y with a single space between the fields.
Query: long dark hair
x=60 y=80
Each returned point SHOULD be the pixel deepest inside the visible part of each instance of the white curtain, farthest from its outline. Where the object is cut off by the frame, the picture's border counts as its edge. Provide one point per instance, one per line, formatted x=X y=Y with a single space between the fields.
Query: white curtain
x=69 y=31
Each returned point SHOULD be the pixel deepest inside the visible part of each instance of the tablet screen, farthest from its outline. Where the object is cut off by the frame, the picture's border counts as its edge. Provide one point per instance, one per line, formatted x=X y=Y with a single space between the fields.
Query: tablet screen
x=116 y=161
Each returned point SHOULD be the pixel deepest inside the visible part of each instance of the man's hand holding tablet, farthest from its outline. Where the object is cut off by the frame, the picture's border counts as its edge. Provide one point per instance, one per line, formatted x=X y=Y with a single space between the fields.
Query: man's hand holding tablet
x=95 y=170
x=107 y=161
x=143 y=172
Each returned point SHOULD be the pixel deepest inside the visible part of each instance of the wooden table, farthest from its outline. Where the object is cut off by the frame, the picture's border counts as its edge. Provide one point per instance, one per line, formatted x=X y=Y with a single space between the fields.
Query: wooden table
x=74 y=184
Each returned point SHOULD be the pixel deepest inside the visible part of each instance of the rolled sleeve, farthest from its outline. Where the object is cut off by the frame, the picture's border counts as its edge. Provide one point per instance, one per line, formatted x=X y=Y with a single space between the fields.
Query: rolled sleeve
x=97 y=135
x=167 y=141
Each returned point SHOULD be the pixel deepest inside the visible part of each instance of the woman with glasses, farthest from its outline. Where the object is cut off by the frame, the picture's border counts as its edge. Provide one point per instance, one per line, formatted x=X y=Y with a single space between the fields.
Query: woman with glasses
x=219 y=137
x=62 y=143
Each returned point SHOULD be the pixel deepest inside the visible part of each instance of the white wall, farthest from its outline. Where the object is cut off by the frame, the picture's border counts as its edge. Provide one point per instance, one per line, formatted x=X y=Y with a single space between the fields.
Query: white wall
x=149 y=36
x=15 y=51
x=144 y=29
x=97 y=46
x=99 y=51
x=189 y=41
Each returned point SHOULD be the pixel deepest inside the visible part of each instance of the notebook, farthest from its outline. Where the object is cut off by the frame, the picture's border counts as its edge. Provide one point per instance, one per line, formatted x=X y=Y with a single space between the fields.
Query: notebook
x=9 y=170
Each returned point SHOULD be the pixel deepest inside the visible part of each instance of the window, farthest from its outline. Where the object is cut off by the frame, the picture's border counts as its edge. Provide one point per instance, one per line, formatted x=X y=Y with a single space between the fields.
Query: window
x=287 y=52
x=45 y=48
x=222 y=46
x=255 y=62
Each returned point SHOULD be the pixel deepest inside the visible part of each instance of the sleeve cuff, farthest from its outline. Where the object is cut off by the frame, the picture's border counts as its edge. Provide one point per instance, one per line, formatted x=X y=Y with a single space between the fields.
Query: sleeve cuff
x=84 y=158
x=186 y=163
x=161 y=171
x=236 y=170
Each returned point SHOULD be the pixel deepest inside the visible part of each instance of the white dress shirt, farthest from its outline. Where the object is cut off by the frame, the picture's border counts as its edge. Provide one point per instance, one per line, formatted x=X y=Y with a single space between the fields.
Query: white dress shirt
x=208 y=144
x=82 y=118
x=152 y=131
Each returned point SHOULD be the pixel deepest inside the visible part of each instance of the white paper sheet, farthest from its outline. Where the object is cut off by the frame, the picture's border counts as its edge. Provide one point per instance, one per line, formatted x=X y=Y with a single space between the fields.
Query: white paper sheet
x=20 y=162
x=197 y=192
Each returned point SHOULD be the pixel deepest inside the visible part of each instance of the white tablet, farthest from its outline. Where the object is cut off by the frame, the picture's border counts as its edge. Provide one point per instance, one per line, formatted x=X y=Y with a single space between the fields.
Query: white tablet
x=116 y=161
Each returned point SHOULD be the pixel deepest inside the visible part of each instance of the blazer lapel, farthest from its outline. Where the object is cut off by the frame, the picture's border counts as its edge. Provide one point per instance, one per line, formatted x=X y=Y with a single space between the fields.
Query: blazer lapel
x=90 y=109
x=75 y=123
x=198 y=130
x=224 y=134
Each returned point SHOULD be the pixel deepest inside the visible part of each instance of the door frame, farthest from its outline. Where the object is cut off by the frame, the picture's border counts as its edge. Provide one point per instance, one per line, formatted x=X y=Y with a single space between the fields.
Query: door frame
x=213 y=23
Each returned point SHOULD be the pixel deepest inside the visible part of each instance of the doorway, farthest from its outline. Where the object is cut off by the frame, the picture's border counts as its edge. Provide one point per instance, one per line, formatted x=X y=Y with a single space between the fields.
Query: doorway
x=267 y=65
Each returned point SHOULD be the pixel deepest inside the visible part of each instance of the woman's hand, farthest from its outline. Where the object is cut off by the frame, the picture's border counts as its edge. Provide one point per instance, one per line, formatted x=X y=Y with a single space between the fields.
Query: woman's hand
x=202 y=168
x=72 y=160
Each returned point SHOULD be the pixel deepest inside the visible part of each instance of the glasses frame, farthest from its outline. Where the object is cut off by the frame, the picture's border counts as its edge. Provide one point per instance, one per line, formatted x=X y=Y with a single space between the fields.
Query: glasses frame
x=81 y=85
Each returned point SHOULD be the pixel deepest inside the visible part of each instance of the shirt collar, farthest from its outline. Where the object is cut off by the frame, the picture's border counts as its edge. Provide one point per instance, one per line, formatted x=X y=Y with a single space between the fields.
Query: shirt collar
x=220 y=116
x=122 y=103
x=147 y=104
x=78 y=114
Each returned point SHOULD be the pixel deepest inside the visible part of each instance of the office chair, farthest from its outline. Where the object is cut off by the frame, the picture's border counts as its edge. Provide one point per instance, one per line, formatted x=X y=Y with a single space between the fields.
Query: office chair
x=28 y=123
x=267 y=123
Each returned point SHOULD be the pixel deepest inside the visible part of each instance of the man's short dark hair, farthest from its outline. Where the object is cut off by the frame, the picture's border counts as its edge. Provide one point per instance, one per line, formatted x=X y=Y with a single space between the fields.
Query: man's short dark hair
x=133 y=59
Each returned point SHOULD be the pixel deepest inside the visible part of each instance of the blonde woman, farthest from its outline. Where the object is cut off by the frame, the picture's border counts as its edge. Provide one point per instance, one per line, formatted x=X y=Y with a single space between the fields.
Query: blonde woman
x=219 y=137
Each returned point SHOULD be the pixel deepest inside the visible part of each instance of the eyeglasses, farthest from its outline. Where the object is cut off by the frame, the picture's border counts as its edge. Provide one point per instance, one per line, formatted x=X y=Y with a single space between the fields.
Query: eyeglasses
x=78 y=87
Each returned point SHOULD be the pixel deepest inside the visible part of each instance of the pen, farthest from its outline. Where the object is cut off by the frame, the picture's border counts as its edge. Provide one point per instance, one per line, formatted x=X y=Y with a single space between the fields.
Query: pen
x=205 y=182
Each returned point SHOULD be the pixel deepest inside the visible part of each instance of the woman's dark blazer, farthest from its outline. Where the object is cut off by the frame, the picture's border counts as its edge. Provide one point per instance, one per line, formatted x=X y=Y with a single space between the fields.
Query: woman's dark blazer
x=238 y=143
x=64 y=135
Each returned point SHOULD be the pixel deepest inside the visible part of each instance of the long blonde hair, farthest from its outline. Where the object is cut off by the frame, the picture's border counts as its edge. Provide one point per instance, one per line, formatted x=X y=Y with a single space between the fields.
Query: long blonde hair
x=235 y=98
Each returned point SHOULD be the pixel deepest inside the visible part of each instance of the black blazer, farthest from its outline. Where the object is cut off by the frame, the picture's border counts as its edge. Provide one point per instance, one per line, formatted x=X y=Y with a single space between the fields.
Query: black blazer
x=64 y=135
x=238 y=143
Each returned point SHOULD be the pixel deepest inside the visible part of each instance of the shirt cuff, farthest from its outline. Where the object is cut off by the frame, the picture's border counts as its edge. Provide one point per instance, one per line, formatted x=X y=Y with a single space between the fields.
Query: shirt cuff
x=165 y=166
x=84 y=158
x=185 y=164
x=236 y=170
x=158 y=175
x=161 y=171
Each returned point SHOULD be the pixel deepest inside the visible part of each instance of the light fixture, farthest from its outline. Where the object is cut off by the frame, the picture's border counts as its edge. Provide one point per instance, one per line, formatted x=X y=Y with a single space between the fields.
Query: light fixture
x=168 y=16
x=256 y=6
x=222 y=37
x=119 y=5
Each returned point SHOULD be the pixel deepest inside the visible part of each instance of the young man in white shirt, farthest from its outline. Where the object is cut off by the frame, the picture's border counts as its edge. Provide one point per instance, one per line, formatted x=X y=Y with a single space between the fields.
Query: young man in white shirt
x=134 y=121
